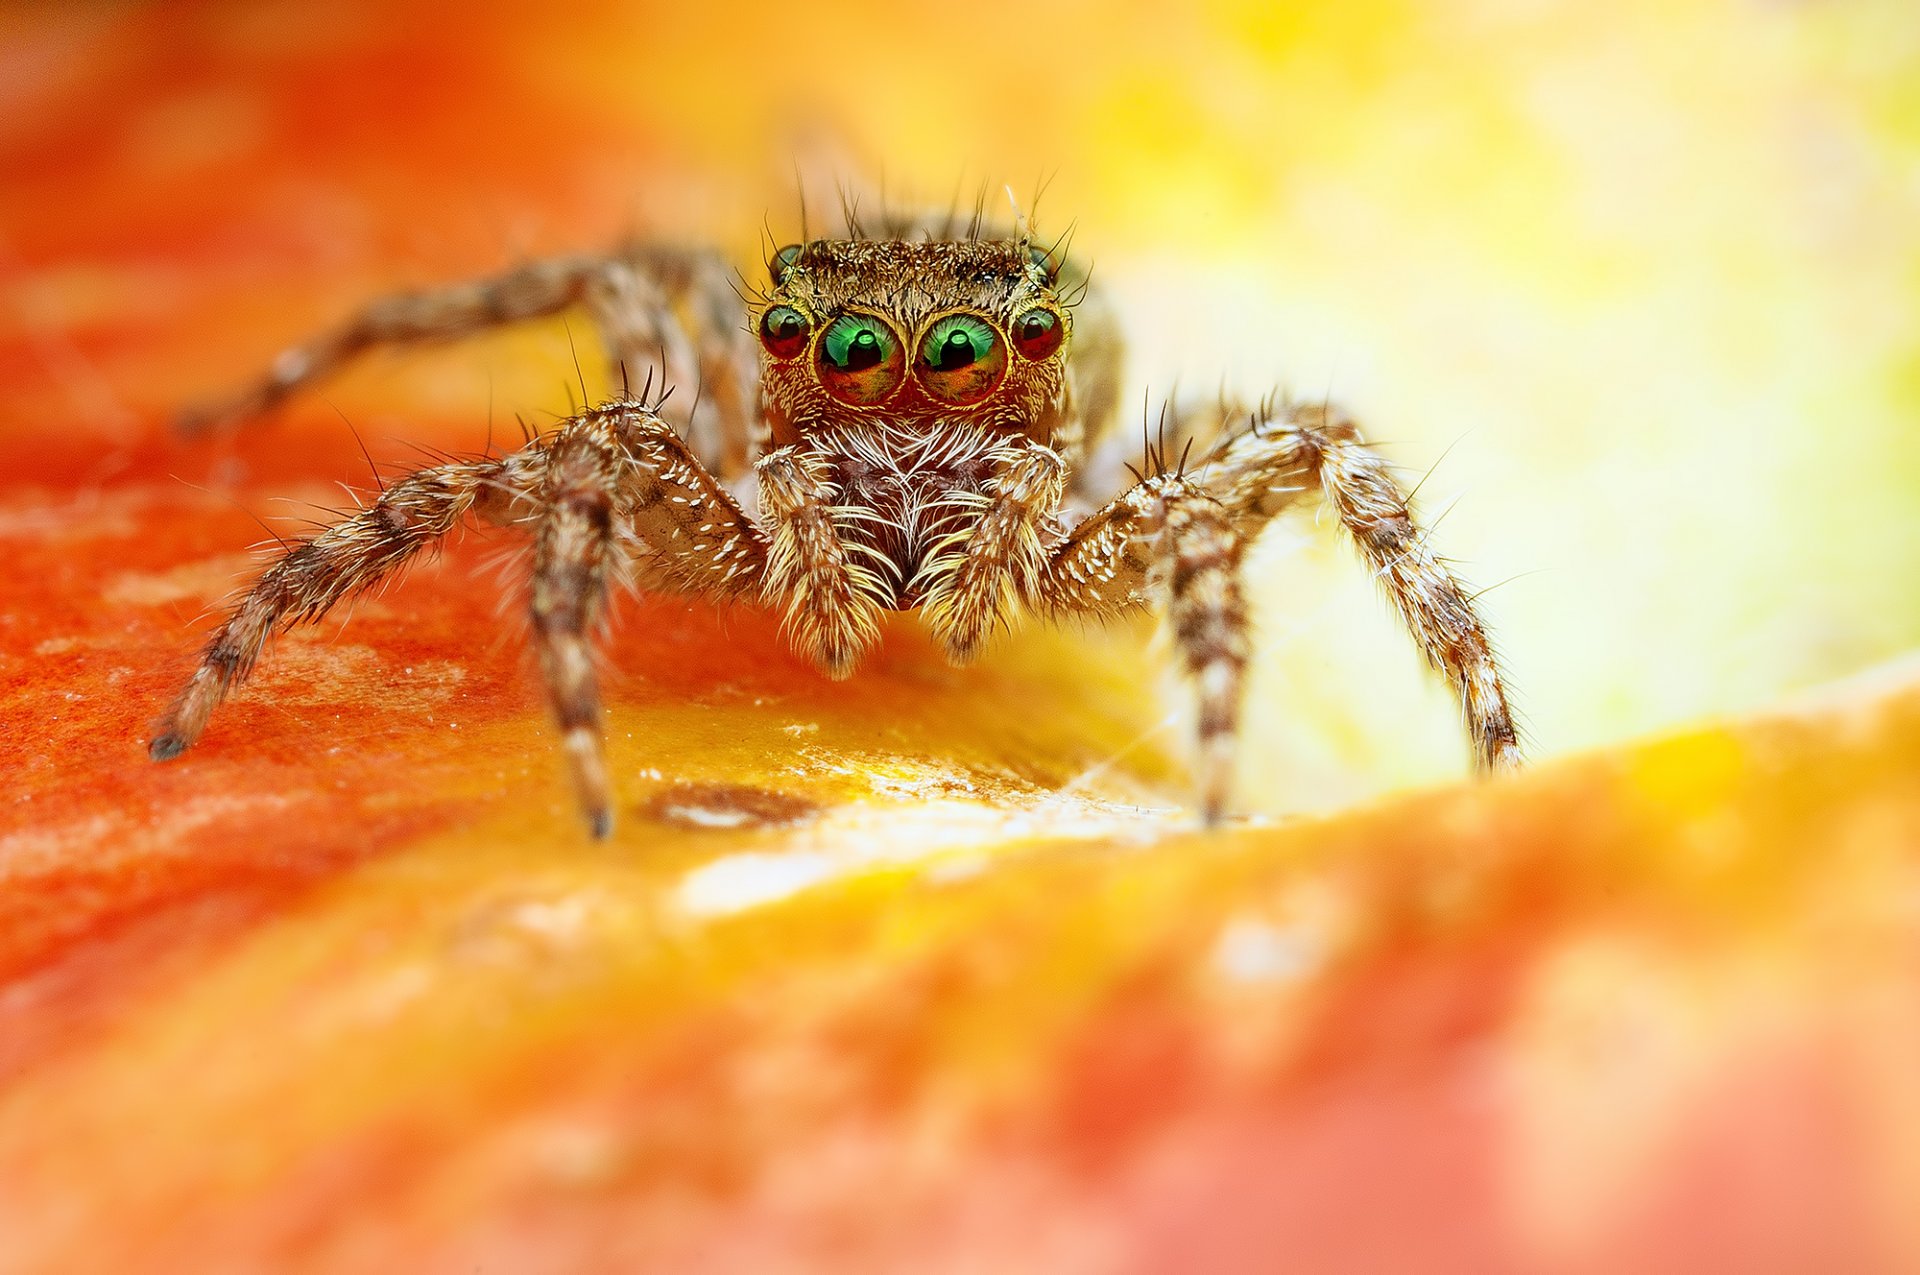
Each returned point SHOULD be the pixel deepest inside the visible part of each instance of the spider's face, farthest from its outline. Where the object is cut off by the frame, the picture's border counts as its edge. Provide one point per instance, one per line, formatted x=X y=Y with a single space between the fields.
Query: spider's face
x=906 y=332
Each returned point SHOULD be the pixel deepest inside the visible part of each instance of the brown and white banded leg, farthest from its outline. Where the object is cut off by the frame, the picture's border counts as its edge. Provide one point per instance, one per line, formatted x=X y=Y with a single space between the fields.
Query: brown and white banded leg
x=677 y=308
x=1288 y=448
x=354 y=554
x=1168 y=531
x=977 y=572
x=574 y=554
x=607 y=481
x=622 y=466
x=413 y=318
x=825 y=594
x=650 y=304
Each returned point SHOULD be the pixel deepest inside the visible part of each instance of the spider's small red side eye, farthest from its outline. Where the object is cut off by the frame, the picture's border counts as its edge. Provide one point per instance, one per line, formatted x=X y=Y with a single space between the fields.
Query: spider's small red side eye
x=783 y=330
x=1038 y=333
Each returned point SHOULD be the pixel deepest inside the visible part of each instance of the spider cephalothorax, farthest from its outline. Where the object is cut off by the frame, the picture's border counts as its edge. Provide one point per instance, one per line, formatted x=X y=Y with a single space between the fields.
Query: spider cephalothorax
x=922 y=335
x=920 y=420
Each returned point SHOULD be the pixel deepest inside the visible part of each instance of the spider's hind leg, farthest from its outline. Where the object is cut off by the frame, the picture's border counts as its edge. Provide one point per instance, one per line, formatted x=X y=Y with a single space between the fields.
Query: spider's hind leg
x=409 y=318
x=653 y=306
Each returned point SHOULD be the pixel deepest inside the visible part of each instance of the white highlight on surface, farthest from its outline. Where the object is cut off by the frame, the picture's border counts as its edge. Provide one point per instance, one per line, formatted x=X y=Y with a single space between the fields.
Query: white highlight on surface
x=949 y=836
x=699 y=816
x=1253 y=951
x=740 y=881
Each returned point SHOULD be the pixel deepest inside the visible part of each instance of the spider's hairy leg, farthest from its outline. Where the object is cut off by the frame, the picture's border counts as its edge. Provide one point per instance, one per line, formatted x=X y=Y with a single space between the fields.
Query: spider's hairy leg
x=678 y=308
x=1294 y=446
x=984 y=565
x=1152 y=441
x=305 y=581
x=573 y=556
x=826 y=599
x=442 y=314
x=1169 y=531
x=622 y=464
x=650 y=304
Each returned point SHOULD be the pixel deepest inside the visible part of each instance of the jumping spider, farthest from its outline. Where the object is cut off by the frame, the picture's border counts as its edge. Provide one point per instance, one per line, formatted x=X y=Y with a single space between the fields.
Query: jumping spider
x=901 y=407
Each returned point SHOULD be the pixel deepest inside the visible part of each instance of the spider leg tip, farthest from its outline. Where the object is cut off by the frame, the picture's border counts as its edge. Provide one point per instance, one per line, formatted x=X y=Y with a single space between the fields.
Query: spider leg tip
x=166 y=747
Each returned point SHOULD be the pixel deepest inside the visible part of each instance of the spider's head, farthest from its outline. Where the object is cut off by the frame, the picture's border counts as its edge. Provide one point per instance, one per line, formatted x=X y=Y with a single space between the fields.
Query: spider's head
x=906 y=331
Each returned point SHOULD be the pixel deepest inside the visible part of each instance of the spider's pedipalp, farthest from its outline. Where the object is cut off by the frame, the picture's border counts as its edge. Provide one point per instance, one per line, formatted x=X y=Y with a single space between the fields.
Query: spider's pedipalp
x=826 y=598
x=994 y=558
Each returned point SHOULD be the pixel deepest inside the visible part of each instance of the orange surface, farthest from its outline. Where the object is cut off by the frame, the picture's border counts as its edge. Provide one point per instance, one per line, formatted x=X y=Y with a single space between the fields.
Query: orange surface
x=921 y=971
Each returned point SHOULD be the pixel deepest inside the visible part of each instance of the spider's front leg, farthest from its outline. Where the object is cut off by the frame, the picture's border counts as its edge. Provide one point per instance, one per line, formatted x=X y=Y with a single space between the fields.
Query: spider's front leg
x=617 y=467
x=352 y=555
x=1287 y=448
x=1167 y=530
x=1191 y=535
x=622 y=465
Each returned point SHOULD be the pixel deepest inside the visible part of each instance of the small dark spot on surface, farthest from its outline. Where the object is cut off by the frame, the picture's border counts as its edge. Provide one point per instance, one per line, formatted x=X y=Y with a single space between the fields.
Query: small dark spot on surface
x=727 y=806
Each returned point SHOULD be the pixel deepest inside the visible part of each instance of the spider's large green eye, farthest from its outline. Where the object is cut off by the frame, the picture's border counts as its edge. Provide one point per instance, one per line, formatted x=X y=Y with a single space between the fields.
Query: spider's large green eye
x=860 y=360
x=783 y=330
x=1038 y=333
x=961 y=359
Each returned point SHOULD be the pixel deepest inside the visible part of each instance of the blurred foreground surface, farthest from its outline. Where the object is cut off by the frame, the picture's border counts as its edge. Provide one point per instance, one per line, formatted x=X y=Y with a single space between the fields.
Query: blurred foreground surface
x=854 y=993
x=921 y=971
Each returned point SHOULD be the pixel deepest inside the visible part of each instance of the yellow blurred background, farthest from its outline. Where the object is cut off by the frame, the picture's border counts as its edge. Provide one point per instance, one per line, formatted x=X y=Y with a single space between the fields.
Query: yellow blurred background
x=1633 y=289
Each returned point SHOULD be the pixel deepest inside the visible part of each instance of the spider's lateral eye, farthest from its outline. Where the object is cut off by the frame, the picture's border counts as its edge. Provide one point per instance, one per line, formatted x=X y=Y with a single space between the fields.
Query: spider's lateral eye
x=783 y=262
x=1041 y=257
x=1038 y=333
x=961 y=358
x=783 y=330
x=860 y=360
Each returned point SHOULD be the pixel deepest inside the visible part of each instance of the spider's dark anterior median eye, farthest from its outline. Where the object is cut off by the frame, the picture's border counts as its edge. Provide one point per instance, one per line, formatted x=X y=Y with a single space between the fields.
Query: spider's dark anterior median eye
x=783 y=330
x=1037 y=333
x=961 y=359
x=860 y=360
